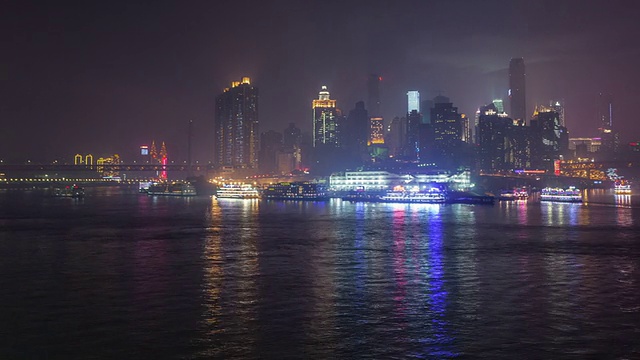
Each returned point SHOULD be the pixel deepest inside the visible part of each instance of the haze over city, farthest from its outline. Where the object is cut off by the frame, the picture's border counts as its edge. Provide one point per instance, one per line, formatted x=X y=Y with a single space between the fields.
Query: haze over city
x=107 y=77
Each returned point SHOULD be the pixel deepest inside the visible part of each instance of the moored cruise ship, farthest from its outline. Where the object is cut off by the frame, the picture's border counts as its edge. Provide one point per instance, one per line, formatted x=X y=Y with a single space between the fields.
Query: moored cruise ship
x=171 y=189
x=570 y=194
x=431 y=196
x=233 y=191
x=295 y=191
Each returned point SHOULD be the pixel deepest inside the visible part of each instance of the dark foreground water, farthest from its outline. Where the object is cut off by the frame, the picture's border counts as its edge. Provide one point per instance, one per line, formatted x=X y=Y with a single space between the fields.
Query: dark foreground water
x=126 y=276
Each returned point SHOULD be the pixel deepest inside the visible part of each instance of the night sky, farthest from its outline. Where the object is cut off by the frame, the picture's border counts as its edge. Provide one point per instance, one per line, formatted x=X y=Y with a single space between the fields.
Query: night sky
x=104 y=77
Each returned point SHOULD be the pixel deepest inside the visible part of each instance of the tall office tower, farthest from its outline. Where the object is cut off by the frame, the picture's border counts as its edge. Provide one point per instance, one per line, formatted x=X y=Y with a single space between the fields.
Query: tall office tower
x=499 y=105
x=413 y=101
x=558 y=106
x=270 y=145
x=448 y=131
x=425 y=107
x=236 y=126
x=397 y=136
x=358 y=127
x=610 y=138
x=325 y=120
x=466 y=128
x=292 y=137
x=373 y=90
x=414 y=119
x=605 y=111
x=377 y=131
x=548 y=138
x=517 y=89
x=492 y=139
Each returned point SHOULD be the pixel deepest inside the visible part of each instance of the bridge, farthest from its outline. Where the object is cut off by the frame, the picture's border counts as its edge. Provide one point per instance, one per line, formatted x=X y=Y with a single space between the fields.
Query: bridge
x=102 y=168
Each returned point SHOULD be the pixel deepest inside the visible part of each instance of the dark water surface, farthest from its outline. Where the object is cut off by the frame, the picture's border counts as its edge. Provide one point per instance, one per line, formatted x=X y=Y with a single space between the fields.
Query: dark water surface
x=126 y=276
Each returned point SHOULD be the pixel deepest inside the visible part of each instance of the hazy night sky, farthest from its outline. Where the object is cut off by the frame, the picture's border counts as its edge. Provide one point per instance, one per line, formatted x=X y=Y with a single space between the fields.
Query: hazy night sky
x=105 y=77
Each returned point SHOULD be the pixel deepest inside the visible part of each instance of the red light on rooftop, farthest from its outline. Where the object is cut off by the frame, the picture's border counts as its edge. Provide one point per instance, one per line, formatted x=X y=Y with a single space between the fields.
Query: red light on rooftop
x=380 y=78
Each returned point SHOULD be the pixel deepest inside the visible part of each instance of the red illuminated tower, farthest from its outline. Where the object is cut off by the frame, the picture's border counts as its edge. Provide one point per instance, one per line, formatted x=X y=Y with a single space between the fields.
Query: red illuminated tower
x=163 y=160
x=153 y=153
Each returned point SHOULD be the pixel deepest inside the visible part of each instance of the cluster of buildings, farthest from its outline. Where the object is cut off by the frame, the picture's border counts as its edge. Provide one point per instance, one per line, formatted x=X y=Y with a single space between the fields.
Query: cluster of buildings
x=432 y=133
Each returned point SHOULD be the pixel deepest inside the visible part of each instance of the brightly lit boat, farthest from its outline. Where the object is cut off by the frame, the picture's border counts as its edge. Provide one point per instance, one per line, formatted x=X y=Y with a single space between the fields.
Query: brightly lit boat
x=431 y=196
x=570 y=194
x=622 y=188
x=521 y=193
x=295 y=191
x=233 y=191
x=171 y=189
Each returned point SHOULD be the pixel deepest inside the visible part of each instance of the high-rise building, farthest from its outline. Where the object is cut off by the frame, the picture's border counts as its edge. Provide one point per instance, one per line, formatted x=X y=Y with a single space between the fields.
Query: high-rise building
x=396 y=137
x=448 y=131
x=292 y=137
x=377 y=131
x=425 y=107
x=558 y=106
x=236 y=126
x=413 y=101
x=270 y=146
x=517 y=94
x=414 y=119
x=503 y=143
x=499 y=105
x=358 y=127
x=605 y=111
x=325 y=120
x=610 y=137
x=549 y=140
x=373 y=90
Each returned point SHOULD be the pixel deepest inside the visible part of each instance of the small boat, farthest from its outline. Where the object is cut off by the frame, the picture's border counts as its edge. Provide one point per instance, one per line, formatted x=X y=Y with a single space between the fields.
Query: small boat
x=233 y=191
x=507 y=195
x=622 y=187
x=172 y=189
x=570 y=194
x=73 y=191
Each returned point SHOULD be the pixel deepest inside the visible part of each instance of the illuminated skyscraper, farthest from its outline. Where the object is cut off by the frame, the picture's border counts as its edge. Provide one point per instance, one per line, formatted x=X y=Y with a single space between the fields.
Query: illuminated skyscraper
x=373 y=89
x=517 y=89
x=499 y=105
x=325 y=120
x=413 y=101
x=377 y=131
x=236 y=126
x=558 y=106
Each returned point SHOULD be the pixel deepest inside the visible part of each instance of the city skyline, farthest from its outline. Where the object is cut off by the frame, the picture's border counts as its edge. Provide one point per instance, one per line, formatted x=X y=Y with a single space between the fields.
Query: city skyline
x=72 y=84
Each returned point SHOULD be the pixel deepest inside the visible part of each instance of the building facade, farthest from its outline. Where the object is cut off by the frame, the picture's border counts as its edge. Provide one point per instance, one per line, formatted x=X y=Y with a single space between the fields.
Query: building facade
x=325 y=120
x=517 y=94
x=237 y=127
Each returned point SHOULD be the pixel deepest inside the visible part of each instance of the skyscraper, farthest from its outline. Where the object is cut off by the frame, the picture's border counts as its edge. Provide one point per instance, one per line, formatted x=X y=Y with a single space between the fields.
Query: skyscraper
x=325 y=120
x=373 y=89
x=448 y=131
x=359 y=129
x=605 y=111
x=377 y=131
x=236 y=126
x=558 y=106
x=517 y=95
x=413 y=101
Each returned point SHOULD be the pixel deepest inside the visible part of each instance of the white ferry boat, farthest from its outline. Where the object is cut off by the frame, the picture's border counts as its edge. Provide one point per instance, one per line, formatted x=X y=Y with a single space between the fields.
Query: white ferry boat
x=570 y=194
x=622 y=188
x=432 y=196
x=232 y=191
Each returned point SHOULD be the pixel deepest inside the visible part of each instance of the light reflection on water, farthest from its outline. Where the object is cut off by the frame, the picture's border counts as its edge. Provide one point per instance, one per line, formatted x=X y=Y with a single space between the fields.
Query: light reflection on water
x=209 y=278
